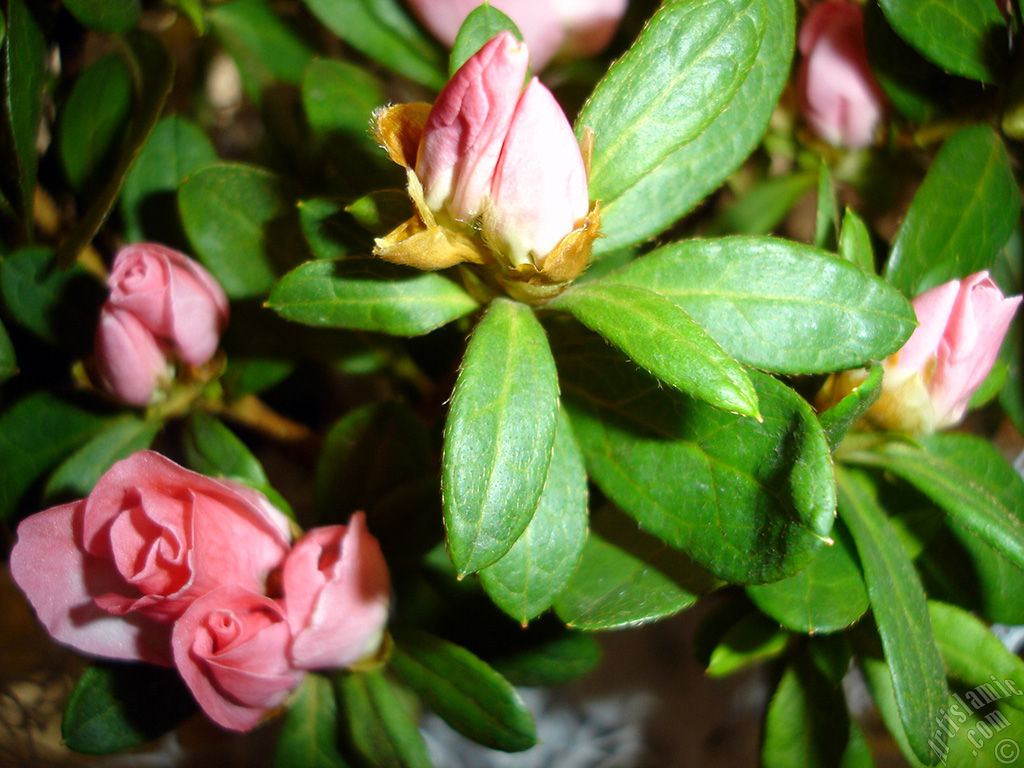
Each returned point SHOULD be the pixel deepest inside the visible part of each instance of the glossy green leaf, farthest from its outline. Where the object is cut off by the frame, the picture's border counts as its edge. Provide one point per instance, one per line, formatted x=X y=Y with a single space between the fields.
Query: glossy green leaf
x=967 y=477
x=627 y=577
x=499 y=435
x=255 y=235
x=826 y=217
x=826 y=596
x=383 y=30
x=838 y=419
x=960 y=216
x=973 y=655
x=749 y=641
x=106 y=15
x=380 y=729
x=763 y=208
x=369 y=295
x=855 y=242
x=758 y=498
x=153 y=75
x=556 y=660
x=339 y=99
x=663 y=339
x=698 y=166
x=25 y=60
x=8 y=362
x=76 y=476
x=309 y=737
x=776 y=304
x=265 y=49
x=464 y=691
x=175 y=149
x=807 y=723
x=60 y=307
x=35 y=433
x=482 y=25
x=966 y=37
x=94 y=117
x=900 y=610
x=115 y=707
x=679 y=75
x=526 y=580
x=213 y=449
x=999 y=581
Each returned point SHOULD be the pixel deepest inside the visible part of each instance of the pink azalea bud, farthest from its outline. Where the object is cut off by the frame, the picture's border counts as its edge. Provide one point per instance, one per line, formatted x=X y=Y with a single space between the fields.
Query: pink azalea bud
x=549 y=27
x=539 y=190
x=108 y=574
x=231 y=648
x=130 y=361
x=466 y=128
x=840 y=98
x=173 y=296
x=961 y=327
x=336 y=595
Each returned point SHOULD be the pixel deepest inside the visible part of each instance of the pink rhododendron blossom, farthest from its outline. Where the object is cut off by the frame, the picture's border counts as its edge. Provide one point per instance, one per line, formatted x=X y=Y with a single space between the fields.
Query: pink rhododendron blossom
x=961 y=327
x=549 y=27
x=840 y=98
x=495 y=156
x=173 y=296
x=231 y=648
x=336 y=595
x=150 y=539
x=130 y=361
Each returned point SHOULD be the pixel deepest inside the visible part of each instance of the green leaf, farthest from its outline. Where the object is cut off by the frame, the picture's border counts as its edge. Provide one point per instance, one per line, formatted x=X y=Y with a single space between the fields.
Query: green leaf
x=556 y=660
x=662 y=338
x=326 y=227
x=750 y=640
x=115 y=707
x=153 y=75
x=526 y=580
x=382 y=30
x=627 y=577
x=838 y=419
x=960 y=216
x=25 y=60
x=679 y=75
x=900 y=610
x=482 y=25
x=499 y=435
x=967 y=477
x=369 y=295
x=855 y=242
x=309 y=738
x=76 y=476
x=35 y=433
x=382 y=211
x=175 y=149
x=60 y=307
x=758 y=498
x=106 y=15
x=339 y=99
x=696 y=167
x=804 y=312
x=94 y=117
x=966 y=37
x=826 y=596
x=8 y=363
x=972 y=654
x=463 y=691
x=265 y=49
x=827 y=213
x=379 y=727
x=807 y=723
x=255 y=235
x=763 y=208
x=213 y=449
x=999 y=582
